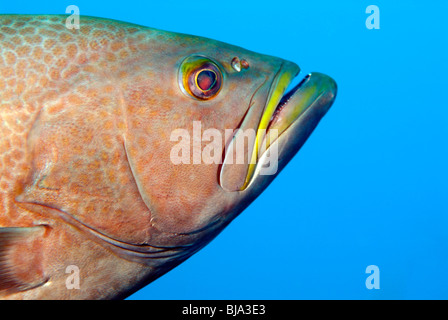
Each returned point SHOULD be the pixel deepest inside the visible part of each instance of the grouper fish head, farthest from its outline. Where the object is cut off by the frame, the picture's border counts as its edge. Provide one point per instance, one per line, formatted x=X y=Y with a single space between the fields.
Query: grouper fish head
x=134 y=147
x=200 y=160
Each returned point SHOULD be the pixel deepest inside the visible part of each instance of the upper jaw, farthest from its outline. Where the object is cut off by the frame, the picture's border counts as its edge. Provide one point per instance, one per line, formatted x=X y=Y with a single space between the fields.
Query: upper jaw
x=316 y=90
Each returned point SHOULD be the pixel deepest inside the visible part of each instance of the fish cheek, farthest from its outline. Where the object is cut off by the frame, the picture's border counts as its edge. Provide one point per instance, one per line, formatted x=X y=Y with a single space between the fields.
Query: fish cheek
x=182 y=197
x=79 y=167
x=173 y=192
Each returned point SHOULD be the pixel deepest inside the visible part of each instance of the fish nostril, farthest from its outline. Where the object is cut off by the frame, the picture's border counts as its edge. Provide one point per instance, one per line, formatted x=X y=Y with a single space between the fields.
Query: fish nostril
x=238 y=64
x=244 y=64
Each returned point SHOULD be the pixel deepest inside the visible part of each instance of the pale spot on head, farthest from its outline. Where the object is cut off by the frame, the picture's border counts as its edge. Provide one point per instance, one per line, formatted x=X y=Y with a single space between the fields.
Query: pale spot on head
x=16 y=40
x=47 y=33
x=23 y=51
x=8 y=30
x=49 y=43
x=54 y=74
x=57 y=50
x=65 y=37
x=115 y=46
x=94 y=45
x=33 y=40
x=7 y=72
x=27 y=31
x=10 y=57
x=37 y=53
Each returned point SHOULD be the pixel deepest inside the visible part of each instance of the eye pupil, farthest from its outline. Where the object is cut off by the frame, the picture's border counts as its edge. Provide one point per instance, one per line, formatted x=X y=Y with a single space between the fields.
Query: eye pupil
x=206 y=80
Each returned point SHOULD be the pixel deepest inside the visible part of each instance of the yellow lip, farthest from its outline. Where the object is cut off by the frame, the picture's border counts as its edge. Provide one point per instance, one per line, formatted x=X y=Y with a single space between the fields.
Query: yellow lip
x=316 y=90
x=281 y=82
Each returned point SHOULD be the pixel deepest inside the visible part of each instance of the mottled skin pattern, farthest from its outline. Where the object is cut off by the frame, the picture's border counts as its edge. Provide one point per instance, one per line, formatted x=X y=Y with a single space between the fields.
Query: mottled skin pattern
x=85 y=171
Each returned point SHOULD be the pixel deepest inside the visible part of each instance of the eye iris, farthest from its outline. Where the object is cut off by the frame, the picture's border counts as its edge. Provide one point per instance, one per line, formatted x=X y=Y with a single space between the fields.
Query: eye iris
x=200 y=78
x=206 y=80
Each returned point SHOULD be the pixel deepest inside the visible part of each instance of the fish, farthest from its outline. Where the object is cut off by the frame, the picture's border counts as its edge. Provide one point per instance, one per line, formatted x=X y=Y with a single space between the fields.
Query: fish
x=125 y=149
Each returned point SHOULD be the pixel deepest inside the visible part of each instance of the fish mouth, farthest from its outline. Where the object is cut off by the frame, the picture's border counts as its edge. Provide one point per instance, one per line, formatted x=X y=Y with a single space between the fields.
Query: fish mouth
x=287 y=121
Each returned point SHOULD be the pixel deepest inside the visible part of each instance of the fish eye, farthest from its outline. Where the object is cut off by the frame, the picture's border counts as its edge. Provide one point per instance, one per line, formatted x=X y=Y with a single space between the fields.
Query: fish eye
x=200 y=78
x=206 y=80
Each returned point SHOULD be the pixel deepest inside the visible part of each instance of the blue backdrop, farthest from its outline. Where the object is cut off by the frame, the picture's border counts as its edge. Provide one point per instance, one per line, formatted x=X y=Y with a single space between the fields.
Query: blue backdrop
x=370 y=185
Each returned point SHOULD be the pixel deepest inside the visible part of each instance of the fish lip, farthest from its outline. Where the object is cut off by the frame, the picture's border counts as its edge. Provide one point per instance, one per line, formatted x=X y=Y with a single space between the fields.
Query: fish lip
x=323 y=89
x=301 y=108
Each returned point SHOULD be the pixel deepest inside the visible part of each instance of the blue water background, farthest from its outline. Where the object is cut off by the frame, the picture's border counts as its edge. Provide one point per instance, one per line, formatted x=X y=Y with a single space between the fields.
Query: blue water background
x=370 y=185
